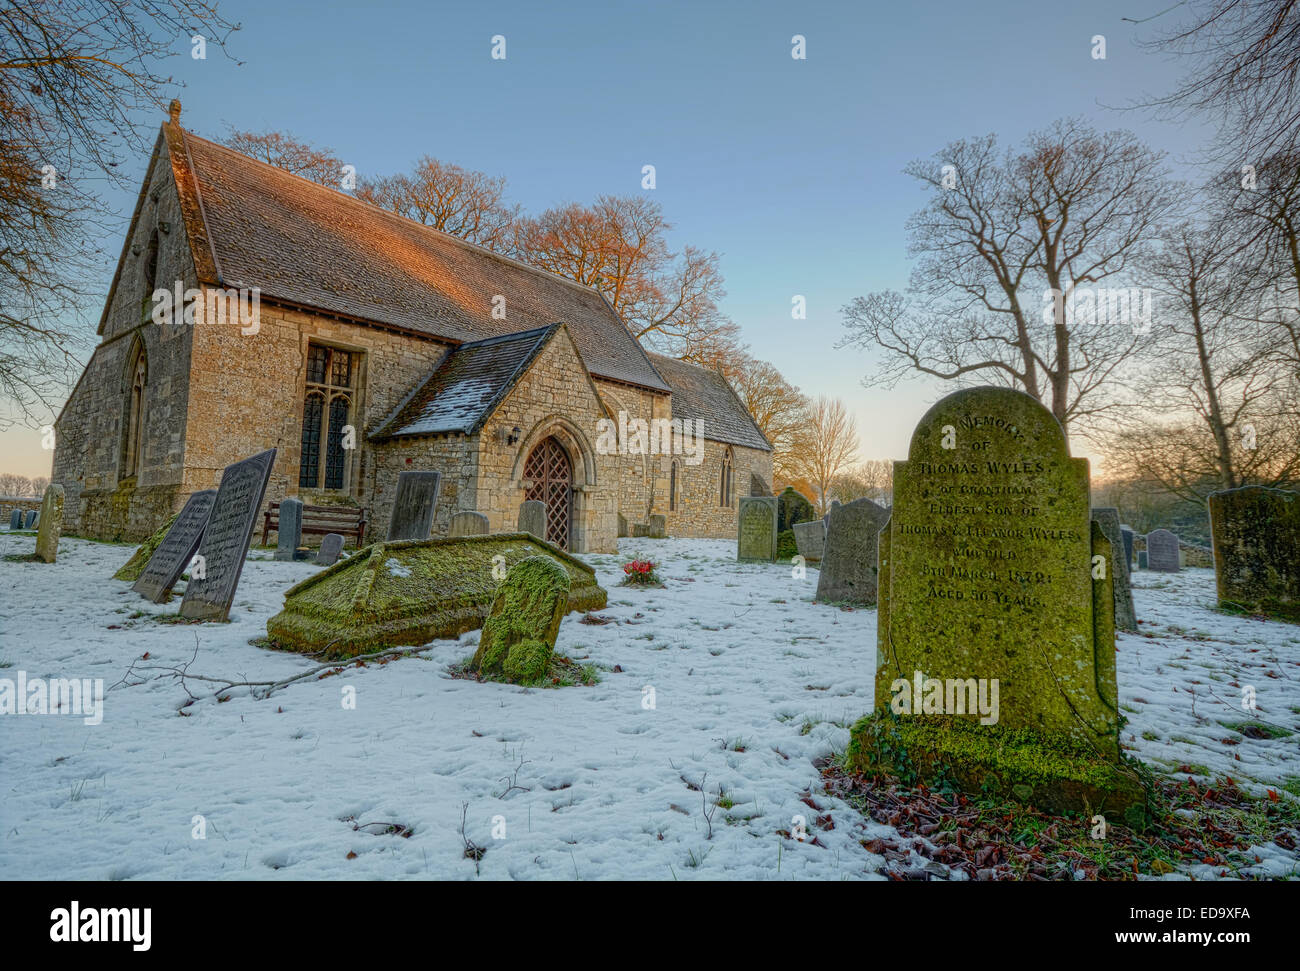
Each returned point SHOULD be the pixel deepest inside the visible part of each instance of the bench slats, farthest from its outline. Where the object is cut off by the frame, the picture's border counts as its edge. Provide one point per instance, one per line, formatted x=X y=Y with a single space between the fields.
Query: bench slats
x=320 y=520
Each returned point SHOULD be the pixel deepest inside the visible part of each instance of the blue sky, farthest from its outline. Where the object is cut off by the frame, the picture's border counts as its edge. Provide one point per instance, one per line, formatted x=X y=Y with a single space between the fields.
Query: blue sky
x=790 y=169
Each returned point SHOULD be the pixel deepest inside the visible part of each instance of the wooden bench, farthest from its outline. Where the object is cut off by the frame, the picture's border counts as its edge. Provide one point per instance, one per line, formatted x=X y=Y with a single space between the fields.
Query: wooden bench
x=320 y=520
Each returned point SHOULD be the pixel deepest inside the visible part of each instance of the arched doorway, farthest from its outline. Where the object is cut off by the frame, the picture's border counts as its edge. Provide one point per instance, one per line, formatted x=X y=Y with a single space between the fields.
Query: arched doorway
x=551 y=474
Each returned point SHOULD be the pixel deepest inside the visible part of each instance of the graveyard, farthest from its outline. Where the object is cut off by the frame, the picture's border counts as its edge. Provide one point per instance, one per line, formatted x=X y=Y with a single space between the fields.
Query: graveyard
x=704 y=742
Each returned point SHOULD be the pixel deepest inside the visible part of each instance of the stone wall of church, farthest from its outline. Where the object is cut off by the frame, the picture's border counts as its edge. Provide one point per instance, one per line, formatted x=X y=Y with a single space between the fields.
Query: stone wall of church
x=699 y=509
x=553 y=399
x=454 y=456
x=247 y=394
x=637 y=475
x=101 y=500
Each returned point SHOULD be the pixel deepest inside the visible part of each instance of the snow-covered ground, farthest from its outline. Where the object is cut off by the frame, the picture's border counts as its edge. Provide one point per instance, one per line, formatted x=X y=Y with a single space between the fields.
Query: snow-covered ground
x=751 y=682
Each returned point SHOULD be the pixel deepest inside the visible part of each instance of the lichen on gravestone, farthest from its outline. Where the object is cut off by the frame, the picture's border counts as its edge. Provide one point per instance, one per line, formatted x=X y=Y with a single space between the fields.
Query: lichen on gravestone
x=130 y=570
x=518 y=638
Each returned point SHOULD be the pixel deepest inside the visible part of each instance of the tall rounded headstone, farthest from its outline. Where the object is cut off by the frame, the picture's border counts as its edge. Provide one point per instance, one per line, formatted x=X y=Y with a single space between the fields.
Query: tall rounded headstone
x=1162 y=551
x=288 y=535
x=532 y=517
x=16 y=519
x=756 y=529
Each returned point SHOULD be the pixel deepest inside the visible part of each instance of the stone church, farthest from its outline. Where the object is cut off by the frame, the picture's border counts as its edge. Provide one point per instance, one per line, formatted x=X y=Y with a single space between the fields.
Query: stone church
x=359 y=344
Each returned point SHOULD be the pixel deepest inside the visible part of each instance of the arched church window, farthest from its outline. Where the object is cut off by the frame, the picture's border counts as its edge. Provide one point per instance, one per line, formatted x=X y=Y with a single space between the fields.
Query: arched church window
x=727 y=483
x=133 y=426
x=674 y=483
x=326 y=415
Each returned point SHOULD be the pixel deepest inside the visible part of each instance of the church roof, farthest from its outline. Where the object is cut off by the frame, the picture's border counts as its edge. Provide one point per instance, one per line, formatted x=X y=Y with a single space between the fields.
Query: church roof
x=707 y=395
x=467 y=385
x=311 y=246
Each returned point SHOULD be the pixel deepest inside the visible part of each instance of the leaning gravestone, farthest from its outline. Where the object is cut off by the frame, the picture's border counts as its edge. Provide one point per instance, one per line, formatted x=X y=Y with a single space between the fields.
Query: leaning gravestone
x=1108 y=518
x=227 y=537
x=756 y=529
x=519 y=634
x=1127 y=533
x=417 y=495
x=848 y=567
x=532 y=518
x=288 y=535
x=1257 y=550
x=330 y=548
x=995 y=645
x=810 y=540
x=16 y=519
x=177 y=548
x=33 y=517
x=1162 y=551
x=468 y=524
x=51 y=520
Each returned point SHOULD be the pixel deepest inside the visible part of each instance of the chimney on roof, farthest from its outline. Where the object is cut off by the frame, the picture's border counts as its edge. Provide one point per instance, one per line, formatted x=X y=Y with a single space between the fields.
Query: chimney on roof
x=174 y=112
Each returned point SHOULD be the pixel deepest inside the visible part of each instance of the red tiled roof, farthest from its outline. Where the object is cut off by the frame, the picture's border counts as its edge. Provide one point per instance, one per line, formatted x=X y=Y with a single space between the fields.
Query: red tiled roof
x=312 y=246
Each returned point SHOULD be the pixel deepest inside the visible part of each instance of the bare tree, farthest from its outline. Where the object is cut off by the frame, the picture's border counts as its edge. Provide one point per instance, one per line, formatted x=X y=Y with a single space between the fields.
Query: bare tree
x=14 y=485
x=777 y=407
x=1243 y=58
x=872 y=479
x=828 y=448
x=1005 y=246
x=287 y=152
x=619 y=246
x=75 y=77
x=456 y=200
x=39 y=485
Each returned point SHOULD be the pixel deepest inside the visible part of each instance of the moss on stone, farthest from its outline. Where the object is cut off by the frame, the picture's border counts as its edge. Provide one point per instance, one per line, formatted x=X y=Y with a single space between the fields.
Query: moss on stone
x=131 y=570
x=519 y=634
x=527 y=661
x=1055 y=772
x=410 y=592
x=786 y=546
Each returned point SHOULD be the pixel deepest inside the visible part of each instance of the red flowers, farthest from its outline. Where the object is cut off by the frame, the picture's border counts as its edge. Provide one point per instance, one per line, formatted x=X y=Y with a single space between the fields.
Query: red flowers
x=640 y=573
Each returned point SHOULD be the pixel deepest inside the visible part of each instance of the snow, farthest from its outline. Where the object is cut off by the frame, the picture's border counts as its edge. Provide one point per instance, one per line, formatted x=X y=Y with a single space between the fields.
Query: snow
x=730 y=676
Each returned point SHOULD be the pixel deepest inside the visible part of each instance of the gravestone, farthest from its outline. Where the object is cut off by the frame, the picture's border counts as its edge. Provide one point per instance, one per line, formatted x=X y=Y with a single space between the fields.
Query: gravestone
x=793 y=507
x=226 y=539
x=986 y=585
x=468 y=524
x=757 y=487
x=519 y=634
x=1256 y=534
x=33 y=517
x=177 y=548
x=1108 y=518
x=1127 y=533
x=1162 y=551
x=16 y=519
x=756 y=529
x=51 y=521
x=1142 y=559
x=532 y=518
x=810 y=540
x=417 y=495
x=288 y=535
x=330 y=548
x=848 y=567
x=656 y=526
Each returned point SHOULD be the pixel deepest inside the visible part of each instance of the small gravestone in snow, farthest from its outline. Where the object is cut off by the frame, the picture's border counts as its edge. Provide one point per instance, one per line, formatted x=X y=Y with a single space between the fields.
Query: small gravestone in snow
x=1127 y=533
x=177 y=548
x=1162 y=551
x=417 y=495
x=330 y=548
x=51 y=520
x=518 y=638
x=288 y=535
x=810 y=539
x=33 y=517
x=532 y=518
x=16 y=519
x=1257 y=550
x=848 y=567
x=227 y=537
x=468 y=524
x=756 y=529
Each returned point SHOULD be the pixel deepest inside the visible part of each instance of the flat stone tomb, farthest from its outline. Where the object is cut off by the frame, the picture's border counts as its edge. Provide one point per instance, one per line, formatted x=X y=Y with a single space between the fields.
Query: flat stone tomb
x=1162 y=551
x=756 y=529
x=417 y=495
x=176 y=550
x=986 y=569
x=226 y=540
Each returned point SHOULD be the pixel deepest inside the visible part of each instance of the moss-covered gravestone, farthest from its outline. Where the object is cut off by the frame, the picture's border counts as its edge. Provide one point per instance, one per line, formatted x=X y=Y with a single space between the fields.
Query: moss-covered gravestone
x=849 y=561
x=173 y=554
x=792 y=507
x=51 y=520
x=410 y=592
x=756 y=529
x=519 y=634
x=1107 y=517
x=996 y=650
x=1257 y=550
x=132 y=568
